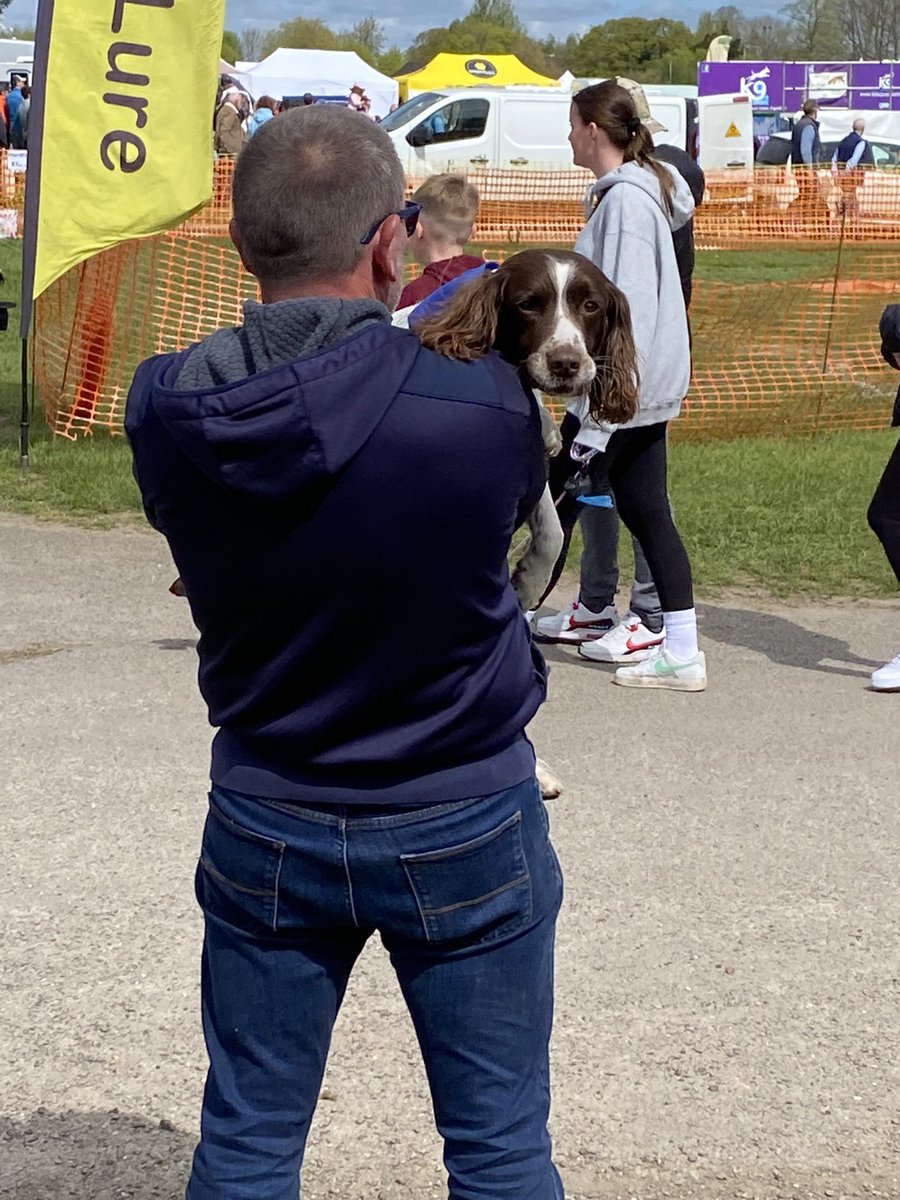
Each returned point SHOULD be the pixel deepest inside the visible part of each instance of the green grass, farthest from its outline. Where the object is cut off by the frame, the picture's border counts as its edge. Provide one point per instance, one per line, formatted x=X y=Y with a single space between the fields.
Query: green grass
x=85 y=482
x=781 y=516
x=778 y=518
x=788 y=517
x=767 y=266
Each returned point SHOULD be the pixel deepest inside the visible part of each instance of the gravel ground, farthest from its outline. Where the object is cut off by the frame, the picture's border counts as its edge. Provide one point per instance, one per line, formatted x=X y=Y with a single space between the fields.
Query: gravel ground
x=728 y=960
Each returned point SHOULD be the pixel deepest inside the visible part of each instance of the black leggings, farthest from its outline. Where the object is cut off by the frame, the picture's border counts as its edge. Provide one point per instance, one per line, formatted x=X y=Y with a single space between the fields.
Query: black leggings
x=634 y=464
x=634 y=467
x=884 y=511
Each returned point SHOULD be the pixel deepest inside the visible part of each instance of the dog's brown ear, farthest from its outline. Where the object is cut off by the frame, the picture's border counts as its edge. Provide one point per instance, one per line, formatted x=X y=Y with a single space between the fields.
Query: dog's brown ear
x=615 y=390
x=466 y=327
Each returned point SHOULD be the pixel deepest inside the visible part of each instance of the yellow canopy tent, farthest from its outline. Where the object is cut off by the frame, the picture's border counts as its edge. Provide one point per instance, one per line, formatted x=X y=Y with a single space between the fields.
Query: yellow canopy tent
x=470 y=70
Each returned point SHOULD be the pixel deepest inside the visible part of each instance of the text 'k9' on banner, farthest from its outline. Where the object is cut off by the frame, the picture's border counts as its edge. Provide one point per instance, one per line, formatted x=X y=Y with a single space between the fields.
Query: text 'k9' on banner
x=120 y=137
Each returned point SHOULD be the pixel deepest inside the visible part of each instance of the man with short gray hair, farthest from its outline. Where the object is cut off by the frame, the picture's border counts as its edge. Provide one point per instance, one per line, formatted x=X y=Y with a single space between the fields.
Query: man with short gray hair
x=852 y=154
x=339 y=502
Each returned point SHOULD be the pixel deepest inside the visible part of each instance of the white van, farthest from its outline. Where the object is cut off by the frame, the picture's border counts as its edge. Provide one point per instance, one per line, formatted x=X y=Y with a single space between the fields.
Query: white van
x=16 y=58
x=528 y=129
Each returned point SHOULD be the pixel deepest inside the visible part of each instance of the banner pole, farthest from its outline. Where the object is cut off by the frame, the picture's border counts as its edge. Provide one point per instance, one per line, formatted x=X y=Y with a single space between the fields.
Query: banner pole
x=25 y=425
x=35 y=158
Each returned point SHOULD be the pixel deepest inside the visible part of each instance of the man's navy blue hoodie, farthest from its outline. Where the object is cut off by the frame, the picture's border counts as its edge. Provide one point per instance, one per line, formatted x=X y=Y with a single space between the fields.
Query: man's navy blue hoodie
x=341 y=524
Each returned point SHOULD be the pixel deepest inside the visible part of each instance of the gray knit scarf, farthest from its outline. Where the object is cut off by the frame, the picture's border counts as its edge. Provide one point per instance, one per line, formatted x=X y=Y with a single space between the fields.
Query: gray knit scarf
x=274 y=334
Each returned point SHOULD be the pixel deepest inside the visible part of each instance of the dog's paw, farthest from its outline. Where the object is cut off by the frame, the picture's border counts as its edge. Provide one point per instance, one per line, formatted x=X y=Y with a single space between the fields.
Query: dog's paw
x=552 y=438
x=550 y=785
x=553 y=442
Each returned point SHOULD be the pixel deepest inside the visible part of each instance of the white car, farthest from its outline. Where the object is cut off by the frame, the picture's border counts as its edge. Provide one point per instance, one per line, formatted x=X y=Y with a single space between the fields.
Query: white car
x=776 y=151
x=878 y=194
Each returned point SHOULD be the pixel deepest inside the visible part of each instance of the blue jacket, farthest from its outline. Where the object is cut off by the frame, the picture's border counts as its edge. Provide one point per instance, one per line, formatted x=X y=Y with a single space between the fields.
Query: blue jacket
x=341 y=525
x=13 y=100
x=259 y=118
x=846 y=148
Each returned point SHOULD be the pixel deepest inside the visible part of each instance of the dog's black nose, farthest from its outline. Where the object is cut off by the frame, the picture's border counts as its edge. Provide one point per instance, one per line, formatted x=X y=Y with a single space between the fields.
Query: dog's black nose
x=563 y=363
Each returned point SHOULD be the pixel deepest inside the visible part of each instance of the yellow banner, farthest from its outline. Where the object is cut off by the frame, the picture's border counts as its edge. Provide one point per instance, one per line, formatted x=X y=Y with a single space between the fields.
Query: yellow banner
x=127 y=145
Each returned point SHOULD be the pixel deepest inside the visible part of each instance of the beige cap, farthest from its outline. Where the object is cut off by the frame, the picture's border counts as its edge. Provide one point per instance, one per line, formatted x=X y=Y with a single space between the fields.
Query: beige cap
x=636 y=92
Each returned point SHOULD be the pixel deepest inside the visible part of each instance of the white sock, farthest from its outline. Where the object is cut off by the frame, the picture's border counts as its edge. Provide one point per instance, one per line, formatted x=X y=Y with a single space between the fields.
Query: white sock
x=681 y=633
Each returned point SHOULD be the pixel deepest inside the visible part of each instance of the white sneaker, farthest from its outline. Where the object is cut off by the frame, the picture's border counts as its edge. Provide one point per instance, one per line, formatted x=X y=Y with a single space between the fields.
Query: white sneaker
x=630 y=642
x=887 y=678
x=576 y=624
x=662 y=670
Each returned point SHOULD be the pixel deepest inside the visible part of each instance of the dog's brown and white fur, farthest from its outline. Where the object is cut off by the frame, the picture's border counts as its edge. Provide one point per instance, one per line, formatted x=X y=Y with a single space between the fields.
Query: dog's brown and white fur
x=556 y=317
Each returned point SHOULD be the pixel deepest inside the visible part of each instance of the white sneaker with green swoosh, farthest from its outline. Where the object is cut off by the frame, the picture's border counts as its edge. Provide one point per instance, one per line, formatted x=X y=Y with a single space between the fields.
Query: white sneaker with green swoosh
x=662 y=670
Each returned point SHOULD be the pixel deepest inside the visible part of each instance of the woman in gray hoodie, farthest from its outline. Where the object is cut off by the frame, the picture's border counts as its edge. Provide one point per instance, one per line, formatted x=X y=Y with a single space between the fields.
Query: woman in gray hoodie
x=637 y=203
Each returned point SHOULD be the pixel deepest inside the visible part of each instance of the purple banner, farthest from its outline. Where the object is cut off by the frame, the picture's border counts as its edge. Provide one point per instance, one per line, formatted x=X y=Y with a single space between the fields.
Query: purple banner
x=785 y=86
x=763 y=82
x=874 y=85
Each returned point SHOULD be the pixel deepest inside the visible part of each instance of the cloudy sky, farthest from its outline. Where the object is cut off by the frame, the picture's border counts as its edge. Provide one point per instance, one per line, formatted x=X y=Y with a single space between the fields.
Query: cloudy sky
x=405 y=18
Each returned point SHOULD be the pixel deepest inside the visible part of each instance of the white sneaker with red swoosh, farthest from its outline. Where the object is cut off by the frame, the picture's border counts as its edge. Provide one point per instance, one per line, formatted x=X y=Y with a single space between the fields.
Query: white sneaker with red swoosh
x=576 y=624
x=630 y=642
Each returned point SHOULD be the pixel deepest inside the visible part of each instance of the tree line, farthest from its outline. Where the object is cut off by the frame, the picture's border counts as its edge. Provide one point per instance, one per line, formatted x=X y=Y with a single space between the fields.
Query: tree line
x=651 y=50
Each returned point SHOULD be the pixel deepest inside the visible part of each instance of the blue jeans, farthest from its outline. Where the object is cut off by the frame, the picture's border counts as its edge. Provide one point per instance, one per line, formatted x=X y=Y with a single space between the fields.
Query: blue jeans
x=600 y=568
x=465 y=898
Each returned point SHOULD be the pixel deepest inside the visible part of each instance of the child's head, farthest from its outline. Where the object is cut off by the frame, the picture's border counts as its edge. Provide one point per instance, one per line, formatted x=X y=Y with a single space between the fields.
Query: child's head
x=449 y=206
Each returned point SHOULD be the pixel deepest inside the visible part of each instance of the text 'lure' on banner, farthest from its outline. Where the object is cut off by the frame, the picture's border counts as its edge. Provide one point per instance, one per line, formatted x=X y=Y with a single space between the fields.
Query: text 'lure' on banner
x=121 y=130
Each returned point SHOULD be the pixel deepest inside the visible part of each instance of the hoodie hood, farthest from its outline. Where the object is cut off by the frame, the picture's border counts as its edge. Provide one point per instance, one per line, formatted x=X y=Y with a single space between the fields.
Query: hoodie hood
x=298 y=497
x=634 y=175
x=278 y=433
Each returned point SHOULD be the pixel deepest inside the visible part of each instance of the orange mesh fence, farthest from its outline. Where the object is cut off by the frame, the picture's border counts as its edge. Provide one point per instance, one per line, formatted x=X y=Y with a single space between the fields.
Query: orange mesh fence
x=792 y=274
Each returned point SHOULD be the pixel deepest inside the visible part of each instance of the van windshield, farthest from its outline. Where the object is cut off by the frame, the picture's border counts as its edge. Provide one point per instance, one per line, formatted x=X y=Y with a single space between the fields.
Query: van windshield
x=410 y=110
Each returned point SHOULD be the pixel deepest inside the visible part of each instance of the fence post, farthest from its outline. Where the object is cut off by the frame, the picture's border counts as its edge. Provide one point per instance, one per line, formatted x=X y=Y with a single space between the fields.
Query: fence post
x=830 y=329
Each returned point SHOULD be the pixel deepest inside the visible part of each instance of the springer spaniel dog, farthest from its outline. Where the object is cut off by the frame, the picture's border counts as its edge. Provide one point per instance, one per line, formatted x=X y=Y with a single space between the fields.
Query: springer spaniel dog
x=556 y=317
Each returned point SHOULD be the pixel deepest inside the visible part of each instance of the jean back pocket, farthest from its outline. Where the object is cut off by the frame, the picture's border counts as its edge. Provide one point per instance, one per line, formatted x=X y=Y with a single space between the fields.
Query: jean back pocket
x=475 y=891
x=238 y=873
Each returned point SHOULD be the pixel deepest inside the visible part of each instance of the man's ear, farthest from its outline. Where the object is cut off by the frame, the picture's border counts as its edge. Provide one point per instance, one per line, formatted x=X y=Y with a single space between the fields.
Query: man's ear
x=389 y=249
x=238 y=241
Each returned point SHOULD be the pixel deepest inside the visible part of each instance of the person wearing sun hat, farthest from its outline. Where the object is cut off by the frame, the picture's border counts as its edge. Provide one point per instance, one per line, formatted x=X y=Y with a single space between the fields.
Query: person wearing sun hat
x=641 y=104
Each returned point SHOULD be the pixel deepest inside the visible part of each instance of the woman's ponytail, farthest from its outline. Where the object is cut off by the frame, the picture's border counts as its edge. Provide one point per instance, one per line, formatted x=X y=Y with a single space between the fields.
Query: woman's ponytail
x=640 y=150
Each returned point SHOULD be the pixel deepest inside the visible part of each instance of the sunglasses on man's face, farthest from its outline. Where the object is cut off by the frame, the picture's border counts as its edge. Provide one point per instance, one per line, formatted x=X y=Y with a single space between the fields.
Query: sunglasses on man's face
x=408 y=215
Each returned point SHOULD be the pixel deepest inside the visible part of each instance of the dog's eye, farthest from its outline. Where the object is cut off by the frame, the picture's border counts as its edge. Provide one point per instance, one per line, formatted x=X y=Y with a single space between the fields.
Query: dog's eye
x=590 y=306
x=529 y=304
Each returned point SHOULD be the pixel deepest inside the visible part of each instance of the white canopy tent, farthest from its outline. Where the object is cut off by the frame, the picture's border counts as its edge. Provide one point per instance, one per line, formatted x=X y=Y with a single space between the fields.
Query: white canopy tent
x=323 y=73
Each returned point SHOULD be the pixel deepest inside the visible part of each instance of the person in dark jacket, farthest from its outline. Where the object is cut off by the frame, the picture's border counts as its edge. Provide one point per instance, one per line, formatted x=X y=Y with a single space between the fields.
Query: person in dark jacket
x=851 y=156
x=806 y=155
x=14 y=99
x=19 y=131
x=683 y=237
x=884 y=511
x=339 y=502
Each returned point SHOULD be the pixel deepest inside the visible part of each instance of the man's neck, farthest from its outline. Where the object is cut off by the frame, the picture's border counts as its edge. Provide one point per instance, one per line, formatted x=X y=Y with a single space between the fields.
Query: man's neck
x=350 y=288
